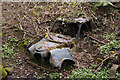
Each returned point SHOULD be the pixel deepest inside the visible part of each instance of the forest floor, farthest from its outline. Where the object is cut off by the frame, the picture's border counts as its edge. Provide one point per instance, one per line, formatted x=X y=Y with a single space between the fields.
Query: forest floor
x=23 y=22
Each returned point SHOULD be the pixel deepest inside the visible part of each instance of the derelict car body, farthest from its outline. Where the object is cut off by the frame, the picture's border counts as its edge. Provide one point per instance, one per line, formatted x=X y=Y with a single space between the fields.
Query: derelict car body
x=55 y=48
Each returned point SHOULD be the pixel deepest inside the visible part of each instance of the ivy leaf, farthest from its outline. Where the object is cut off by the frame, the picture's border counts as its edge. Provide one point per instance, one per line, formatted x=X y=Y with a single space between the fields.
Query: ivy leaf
x=105 y=3
x=110 y=3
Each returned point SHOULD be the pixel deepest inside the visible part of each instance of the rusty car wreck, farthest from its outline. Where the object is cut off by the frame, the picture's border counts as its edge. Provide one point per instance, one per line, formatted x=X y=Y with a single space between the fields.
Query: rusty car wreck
x=56 y=47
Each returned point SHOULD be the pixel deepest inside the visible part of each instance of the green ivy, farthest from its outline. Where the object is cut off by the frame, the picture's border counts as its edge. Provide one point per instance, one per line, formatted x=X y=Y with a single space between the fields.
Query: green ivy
x=102 y=3
x=89 y=73
x=6 y=50
x=106 y=36
x=112 y=45
x=82 y=73
x=14 y=39
x=55 y=75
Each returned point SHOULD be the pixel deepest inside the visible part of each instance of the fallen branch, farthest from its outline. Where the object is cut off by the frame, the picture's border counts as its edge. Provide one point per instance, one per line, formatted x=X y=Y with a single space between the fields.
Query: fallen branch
x=106 y=59
x=42 y=68
x=87 y=34
x=116 y=7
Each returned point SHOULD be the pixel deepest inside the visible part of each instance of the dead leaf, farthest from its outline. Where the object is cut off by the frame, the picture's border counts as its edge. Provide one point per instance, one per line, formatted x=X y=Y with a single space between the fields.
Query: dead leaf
x=113 y=70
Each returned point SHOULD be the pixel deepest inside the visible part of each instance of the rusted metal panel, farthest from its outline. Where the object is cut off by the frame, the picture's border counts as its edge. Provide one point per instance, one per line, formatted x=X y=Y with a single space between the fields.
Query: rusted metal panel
x=60 y=55
x=79 y=20
x=42 y=46
x=82 y=20
x=57 y=55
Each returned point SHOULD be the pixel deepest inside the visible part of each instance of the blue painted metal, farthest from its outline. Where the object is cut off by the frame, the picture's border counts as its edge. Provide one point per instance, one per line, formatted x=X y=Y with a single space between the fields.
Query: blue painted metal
x=49 y=46
x=57 y=55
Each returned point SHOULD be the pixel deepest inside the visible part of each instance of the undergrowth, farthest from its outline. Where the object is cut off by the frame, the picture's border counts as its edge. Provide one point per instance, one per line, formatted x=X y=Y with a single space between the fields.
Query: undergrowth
x=8 y=48
x=89 y=73
x=111 y=46
x=83 y=73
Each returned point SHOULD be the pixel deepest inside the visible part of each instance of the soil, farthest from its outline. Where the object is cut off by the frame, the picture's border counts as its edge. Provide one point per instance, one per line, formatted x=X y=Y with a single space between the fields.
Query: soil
x=21 y=17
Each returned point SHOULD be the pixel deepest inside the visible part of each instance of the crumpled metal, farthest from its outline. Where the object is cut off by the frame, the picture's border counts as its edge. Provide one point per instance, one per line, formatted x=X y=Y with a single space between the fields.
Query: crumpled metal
x=79 y=20
x=48 y=46
x=60 y=55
